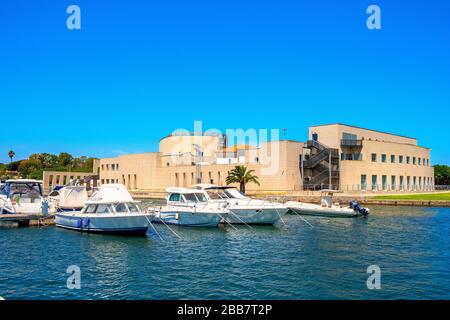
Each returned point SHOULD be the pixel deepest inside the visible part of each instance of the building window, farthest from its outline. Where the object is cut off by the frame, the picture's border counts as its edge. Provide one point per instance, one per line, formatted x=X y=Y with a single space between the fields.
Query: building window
x=113 y=167
x=408 y=160
x=363 y=182
x=424 y=161
x=103 y=167
x=374 y=182
x=384 y=182
x=402 y=187
x=383 y=158
x=414 y=160
x=400 y=159
x=117 y=166
x=393 y=183
x=420 y=161
x=408 y=183
x=374 y=157
x=392 y=158
x=415 y=183
x=420 y=183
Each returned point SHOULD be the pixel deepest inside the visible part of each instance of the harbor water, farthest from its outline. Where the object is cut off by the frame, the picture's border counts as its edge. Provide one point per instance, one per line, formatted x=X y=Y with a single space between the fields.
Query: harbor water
x=410 y=245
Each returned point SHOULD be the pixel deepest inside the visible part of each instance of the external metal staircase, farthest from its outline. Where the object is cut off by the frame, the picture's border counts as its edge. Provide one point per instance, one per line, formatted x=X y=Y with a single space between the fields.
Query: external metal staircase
x=322 y=164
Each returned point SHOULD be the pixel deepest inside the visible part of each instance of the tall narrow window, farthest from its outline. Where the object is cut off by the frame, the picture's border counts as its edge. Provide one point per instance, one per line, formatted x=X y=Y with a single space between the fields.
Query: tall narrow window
x=393 y=183
x=402 y=187
x=383 y=158
x=384 y=182
x=374 y=182
x=392 y=158
x=400 y=159
x=363 y=182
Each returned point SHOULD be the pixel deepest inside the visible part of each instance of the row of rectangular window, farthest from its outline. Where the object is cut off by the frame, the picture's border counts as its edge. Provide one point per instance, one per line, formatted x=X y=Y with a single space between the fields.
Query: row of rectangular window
x=114 y=167
x=419 y=161
x=417 y=184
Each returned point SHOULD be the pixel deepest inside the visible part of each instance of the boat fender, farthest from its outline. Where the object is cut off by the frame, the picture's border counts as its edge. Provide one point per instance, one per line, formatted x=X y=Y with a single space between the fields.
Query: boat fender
x=86 y=222
x=177 y=216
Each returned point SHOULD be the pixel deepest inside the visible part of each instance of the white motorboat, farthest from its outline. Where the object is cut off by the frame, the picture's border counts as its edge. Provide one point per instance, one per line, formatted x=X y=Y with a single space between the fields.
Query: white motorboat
x=243 y=210
x=68 y=198
x=327 y=208
x=110 y=209
x=188 y=207
x=21 y=196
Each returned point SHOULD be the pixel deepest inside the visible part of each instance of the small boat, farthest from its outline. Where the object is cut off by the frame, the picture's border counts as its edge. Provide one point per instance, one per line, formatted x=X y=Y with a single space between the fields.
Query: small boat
x=327 y=208
x=110 y=209
x=188 y=207
x=243 y=210
x=21 y=196
x=67 y=198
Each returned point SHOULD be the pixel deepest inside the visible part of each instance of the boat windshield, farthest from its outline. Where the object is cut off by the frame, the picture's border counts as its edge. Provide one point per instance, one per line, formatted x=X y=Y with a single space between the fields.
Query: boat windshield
x=234 y=194
x=133 y=207
x=195 y=197
x=23 y=190
x=216 y=194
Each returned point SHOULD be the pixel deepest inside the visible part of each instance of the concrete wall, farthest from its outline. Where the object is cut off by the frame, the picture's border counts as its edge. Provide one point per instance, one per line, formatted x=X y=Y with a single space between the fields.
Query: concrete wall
x=52 y=179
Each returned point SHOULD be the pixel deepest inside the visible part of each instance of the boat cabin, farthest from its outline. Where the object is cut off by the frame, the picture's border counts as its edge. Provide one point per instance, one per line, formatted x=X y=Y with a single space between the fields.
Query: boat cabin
x=111 y=198
x=184 y=196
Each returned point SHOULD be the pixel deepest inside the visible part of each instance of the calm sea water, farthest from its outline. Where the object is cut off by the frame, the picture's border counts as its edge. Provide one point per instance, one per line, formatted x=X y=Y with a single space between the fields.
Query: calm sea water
x=328 y=261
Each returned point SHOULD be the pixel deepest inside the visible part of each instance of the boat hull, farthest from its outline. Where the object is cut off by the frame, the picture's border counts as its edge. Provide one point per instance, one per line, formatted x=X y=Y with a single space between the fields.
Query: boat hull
x=103 y=223
x=317 y=210
x=188 y=219
x=255 y=216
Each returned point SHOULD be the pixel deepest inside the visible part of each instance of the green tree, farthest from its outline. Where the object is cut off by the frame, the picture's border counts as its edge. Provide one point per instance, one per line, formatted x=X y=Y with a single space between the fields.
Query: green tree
x=27 y=167
x=241 y=175
x=65 y=159
x=47 y=160
x=441 y=175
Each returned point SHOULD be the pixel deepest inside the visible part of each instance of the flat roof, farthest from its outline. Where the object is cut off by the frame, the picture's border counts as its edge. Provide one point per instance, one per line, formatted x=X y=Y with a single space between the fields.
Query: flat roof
x=356 y=127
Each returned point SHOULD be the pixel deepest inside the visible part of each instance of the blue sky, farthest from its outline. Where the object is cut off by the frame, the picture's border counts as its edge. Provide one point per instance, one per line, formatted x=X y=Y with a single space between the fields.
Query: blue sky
x=137 y=70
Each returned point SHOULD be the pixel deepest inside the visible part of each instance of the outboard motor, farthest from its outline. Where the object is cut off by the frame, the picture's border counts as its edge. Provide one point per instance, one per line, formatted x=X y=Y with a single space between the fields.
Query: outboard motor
x=358 y=208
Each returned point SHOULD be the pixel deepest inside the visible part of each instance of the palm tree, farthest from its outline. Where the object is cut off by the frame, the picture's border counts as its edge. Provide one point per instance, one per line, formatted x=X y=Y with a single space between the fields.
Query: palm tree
x=241 y=175
x=11 y=154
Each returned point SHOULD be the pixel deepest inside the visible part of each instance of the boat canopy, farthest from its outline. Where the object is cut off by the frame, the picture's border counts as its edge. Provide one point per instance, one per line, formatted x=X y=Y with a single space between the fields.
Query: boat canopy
x=29 y=188
x=72 y=196
x=111 y=193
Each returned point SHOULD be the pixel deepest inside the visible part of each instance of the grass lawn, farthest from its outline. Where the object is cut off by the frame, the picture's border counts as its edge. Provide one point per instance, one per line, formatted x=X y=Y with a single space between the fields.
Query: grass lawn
x=424 y=197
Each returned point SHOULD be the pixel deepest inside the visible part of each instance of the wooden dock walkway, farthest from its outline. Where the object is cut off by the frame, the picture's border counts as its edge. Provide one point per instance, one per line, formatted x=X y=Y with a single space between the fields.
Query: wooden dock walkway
x=29 y=219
